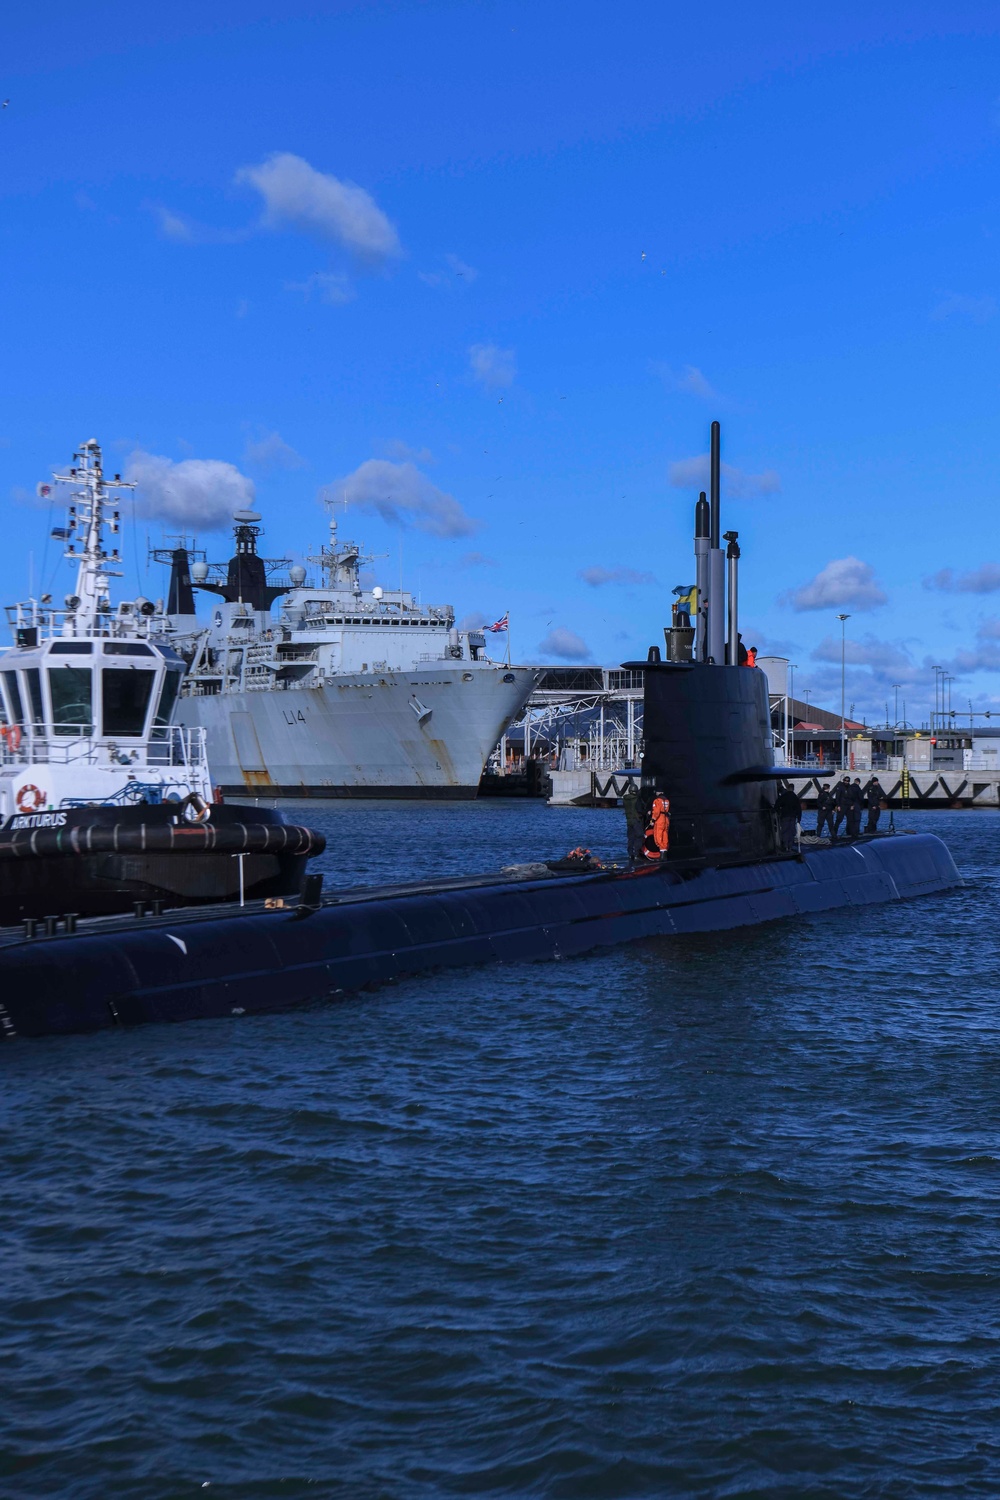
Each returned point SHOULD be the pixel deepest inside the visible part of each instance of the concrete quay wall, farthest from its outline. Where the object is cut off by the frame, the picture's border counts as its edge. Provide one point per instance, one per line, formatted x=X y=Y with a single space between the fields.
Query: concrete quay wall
x=927 y=788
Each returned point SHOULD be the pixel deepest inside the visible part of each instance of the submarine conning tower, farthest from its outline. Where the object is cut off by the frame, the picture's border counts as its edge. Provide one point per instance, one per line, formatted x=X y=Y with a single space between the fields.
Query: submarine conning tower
x=706 y=717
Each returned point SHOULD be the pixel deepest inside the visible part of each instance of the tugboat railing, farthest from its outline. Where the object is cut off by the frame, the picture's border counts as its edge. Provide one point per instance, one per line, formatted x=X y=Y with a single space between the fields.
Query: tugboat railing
x=172 y=745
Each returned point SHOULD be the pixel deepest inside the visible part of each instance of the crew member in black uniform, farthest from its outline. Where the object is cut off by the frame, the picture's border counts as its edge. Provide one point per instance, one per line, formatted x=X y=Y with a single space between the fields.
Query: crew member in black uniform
x=824 y=812
x=788 y=806
x=634 y=823
x=841 y=802
x=855 y=806
x=874 y=797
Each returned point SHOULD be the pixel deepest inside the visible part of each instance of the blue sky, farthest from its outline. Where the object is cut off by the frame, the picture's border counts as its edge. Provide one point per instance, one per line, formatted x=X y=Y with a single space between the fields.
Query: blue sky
x=490 y=271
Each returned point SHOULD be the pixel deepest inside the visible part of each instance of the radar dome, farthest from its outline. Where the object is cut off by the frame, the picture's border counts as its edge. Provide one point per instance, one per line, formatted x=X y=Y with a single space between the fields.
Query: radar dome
x=376 y=592
x=297 y=575
x=246 y=516
x=199 y=571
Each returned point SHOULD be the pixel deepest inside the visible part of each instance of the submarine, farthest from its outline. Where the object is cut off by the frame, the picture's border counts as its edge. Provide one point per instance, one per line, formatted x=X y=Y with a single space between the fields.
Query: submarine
x=707 y=748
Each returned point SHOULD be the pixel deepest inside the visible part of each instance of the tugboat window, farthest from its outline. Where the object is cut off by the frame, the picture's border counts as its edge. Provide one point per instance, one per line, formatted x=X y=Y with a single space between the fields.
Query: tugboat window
x=124 y=700
x=168 y=697
x=72 y=704
x=34 y=677
x=13 y=698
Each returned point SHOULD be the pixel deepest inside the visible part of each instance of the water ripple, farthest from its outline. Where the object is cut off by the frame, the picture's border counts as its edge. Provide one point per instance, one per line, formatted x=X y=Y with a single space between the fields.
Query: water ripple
x=714 y=1217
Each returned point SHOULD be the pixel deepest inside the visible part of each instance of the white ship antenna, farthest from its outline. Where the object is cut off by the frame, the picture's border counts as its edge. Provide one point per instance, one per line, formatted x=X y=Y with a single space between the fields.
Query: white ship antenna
x=94 y=508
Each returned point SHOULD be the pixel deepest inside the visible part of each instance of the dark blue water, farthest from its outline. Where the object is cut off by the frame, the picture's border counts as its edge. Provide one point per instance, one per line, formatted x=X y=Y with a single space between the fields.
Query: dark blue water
x=702 y=1217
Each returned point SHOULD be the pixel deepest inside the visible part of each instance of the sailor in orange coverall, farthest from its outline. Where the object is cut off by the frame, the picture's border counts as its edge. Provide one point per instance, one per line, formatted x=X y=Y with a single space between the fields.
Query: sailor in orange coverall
x=657 y=840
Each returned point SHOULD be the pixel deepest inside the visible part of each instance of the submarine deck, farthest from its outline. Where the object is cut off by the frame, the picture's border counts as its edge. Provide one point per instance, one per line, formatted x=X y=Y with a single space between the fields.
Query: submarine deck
x=188 y=916
x=193 y=963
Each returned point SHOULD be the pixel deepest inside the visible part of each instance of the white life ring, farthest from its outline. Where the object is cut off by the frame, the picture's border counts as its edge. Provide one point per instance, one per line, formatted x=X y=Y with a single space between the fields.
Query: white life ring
x=29 y=798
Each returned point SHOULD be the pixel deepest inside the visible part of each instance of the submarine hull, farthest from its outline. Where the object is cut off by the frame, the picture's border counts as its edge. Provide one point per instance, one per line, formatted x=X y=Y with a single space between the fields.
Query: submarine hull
x=227 y=961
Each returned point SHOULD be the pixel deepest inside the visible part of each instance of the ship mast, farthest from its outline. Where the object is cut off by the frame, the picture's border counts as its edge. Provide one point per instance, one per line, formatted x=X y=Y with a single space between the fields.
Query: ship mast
x=94 y=508
x=341 y=562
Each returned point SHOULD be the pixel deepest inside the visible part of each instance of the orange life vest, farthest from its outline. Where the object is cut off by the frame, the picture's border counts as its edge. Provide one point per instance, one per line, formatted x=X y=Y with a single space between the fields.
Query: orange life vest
x=752 y=656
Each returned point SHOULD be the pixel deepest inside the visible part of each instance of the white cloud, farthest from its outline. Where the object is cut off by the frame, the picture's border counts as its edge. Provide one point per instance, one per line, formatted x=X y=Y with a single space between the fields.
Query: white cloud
x=329 y=286
x=869 y=651
x=296 y=195
x=457 y=271
x=185 y=231
x=693 y=474
x=597 y=577
x=564 y=644
x=984 y=658
x=767 y=644
x=197 y=493
x=400 y=450
x=689 y=381
x=401 y=495
x=174 y=226
x=954 y=304
x=982 y=580
x=845 y=581
x=270 y=451
x=461 y=270
x=474 y=621
x=492 y=366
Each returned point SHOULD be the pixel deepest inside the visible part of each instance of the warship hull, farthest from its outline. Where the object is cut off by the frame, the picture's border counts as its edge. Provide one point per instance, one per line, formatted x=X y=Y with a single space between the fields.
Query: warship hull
x=187 y=965
x=421 y=733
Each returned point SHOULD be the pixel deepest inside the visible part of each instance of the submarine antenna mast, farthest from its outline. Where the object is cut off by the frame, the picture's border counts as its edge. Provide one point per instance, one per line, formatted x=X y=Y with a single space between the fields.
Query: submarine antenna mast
x=716 y=559
x=87 y=520
x=733 y=561
x=702 y=543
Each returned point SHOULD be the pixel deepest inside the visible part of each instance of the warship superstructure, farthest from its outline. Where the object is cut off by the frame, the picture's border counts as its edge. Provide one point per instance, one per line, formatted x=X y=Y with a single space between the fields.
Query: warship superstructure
x=343 y=690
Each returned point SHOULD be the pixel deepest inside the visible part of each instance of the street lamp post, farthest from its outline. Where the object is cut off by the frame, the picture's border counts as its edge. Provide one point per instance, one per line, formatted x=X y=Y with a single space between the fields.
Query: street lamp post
x=790 y=742
x=843 y=693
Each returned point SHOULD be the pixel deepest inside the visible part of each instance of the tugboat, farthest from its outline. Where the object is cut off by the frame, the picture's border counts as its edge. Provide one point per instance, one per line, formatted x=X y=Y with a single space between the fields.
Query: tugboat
x=104 y=800
x=707 y=750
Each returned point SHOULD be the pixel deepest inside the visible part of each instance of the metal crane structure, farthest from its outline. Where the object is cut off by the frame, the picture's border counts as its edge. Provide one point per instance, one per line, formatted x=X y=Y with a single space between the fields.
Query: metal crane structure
x=577 y=719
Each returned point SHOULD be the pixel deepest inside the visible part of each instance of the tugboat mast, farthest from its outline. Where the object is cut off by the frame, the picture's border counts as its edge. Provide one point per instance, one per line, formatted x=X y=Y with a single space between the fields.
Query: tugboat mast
x=93 y=499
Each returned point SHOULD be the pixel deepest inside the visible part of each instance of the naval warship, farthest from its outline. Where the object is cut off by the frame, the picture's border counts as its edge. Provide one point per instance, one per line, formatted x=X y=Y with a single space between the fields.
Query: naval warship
x=345 y=690
x=708 y=750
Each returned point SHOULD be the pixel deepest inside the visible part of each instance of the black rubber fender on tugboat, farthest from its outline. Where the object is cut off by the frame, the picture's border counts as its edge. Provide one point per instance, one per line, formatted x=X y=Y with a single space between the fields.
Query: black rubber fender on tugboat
x=162 y=838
